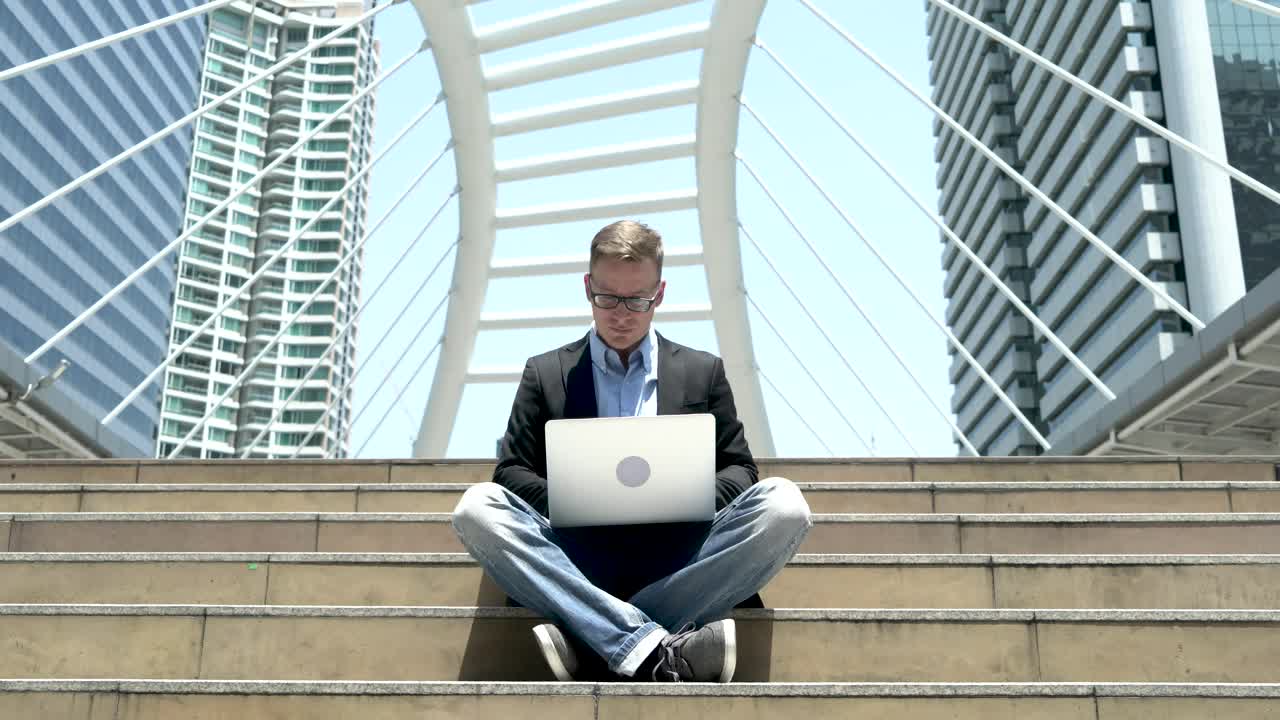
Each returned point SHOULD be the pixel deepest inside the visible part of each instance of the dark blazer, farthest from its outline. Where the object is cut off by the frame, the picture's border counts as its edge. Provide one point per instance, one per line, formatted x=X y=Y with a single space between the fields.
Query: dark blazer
x=560 y=384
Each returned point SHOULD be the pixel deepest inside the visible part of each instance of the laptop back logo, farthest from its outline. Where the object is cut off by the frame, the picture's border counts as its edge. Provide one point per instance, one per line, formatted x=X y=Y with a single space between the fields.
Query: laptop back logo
x=633 y=471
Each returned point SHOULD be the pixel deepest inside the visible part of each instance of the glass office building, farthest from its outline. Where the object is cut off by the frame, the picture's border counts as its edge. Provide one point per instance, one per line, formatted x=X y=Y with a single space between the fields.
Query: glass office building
x=1246 y=58
x=55 y=124
x=313 y=188
x=1190 y=233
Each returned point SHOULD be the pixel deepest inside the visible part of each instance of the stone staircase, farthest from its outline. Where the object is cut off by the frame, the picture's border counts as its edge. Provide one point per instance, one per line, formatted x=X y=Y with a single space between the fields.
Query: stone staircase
x=1089 y=589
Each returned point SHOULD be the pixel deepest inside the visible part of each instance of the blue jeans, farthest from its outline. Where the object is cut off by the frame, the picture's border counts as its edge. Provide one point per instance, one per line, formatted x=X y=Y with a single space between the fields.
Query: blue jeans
x=749 y=541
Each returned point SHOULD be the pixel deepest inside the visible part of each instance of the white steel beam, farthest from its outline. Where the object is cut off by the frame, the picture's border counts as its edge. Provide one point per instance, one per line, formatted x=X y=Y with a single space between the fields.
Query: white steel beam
x=9 y=451
x=595 y=209
x=1257 y=341
x=33 y=422
x=11 y=416
x=596 y=108
x=724 y=67
x=575 y=318
x=60 y=437
x=495 y=375
x=1185 y=396
x=24 y=435
x=1111 y=444
x=598 y=158
x=1259 y=6
x=539 y=267
x=563 y=20
x=1139 y=449
x=1262 y=406
x=1216 y=444
x=453 y=44
x=596 y=57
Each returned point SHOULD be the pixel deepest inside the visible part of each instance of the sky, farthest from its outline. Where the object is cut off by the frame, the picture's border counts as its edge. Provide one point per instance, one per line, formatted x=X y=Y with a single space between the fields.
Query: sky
x=393 y=384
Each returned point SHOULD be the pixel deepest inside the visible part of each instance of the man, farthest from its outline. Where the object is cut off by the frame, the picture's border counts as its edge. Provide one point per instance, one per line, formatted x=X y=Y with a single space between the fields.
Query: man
x=651 y=601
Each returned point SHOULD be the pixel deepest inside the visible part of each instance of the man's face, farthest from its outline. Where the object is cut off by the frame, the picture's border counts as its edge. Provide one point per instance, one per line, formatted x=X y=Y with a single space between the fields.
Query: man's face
x=621 y=328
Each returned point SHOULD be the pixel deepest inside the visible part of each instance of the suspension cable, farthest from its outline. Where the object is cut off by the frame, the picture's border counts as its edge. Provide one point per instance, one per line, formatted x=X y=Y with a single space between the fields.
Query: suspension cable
x=813 y=250
x=69 y=53
x=357 y=177
x=1018 y=177
x=765 y=376
x=803 y=366
x=884 y=262
x=231 y=198
x=369 y=403
x=351 y=323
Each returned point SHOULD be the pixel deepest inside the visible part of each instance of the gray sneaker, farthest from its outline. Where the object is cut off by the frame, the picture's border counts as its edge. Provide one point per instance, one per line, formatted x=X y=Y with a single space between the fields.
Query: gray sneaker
x=557 y=651
x=707 y=654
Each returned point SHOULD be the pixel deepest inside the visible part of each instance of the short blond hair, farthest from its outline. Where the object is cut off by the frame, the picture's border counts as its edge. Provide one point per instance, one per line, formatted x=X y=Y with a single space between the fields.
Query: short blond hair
x=627 y=240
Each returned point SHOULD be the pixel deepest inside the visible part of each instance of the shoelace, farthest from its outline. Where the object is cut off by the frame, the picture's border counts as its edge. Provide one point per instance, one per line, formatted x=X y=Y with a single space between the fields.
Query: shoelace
x=669 y=665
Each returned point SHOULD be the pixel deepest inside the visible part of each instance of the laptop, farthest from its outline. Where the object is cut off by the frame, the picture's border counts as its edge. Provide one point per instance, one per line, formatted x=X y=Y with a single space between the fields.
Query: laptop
x=632 y=470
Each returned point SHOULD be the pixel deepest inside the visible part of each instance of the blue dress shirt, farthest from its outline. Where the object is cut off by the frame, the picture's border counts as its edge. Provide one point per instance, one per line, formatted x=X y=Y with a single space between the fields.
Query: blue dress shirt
x=629 y=392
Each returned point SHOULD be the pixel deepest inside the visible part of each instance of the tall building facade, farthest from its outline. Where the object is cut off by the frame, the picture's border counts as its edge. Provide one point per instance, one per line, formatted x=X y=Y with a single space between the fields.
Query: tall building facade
x=233 y=143
x=57 y=123
x=1171 y=216
x=1246 y=56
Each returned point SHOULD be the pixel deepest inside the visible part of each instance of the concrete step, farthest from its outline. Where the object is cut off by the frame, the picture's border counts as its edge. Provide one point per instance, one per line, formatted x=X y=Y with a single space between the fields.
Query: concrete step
x=338 y=700
x=433 y=643
x=1046 y=534
x=810 y=581
x=920 y=470
x=1026 y=497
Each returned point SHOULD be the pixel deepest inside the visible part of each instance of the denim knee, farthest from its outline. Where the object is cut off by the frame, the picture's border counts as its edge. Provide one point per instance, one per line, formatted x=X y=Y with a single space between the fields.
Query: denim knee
x=785 y=506
x=473 y=510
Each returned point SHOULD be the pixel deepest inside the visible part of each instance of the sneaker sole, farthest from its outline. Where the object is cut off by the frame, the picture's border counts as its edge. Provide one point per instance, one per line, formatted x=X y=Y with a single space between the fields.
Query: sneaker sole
x=730 y=651
x=548 y=647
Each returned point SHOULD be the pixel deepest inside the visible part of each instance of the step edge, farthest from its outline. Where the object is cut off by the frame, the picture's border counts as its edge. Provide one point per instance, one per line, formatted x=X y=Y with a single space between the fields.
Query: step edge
x=927 y=615
x=825 y=486
x=831 y=518
x=808 y=559
x=781 y=690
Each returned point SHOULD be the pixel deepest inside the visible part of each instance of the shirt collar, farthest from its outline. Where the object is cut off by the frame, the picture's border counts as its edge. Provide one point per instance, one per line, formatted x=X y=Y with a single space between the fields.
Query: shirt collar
x=606 y=358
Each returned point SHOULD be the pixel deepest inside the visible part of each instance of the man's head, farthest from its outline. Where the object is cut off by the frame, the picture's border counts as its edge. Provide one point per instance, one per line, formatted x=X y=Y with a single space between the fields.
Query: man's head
x=626 y=269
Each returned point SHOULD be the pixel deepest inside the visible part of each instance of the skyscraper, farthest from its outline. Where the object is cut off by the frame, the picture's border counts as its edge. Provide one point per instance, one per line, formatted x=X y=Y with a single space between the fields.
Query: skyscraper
x=1246 y=56
x=1205 y=69
x=233 y=143
x=57 y=123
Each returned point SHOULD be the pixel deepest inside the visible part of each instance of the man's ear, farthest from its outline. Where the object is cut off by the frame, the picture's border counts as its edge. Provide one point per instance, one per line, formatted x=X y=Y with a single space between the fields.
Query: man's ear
x=586 y=285
x=662 y=290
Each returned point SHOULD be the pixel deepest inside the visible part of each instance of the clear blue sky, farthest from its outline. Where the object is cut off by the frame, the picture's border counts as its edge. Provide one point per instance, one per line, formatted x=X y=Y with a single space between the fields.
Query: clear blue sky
x=885 y=116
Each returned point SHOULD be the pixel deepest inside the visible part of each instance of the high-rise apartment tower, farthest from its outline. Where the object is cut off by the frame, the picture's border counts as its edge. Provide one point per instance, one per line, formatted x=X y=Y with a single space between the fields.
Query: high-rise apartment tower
x=232 y=144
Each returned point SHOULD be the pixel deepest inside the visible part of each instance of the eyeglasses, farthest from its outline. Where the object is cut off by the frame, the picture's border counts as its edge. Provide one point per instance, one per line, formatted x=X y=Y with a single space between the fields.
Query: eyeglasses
x=634 y=304
x=605 y=301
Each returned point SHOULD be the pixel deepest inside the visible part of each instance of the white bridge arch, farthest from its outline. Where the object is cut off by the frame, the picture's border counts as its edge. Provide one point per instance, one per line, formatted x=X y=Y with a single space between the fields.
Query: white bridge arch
x=725 y=42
